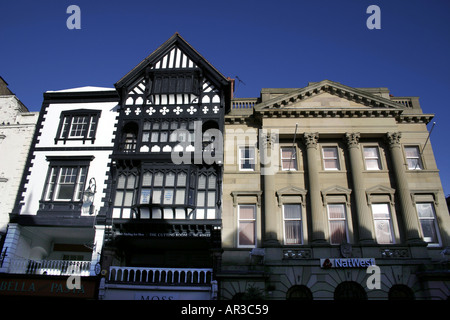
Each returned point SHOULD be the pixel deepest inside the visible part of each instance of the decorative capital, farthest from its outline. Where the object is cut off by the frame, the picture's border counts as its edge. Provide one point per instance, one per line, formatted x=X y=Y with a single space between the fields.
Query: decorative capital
x=268 y=139
x=393 y=138
x=310 y=139
x=352 y=139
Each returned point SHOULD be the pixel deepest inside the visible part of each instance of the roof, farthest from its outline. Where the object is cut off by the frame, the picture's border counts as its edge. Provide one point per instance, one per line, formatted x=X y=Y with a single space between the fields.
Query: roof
x=175 y=40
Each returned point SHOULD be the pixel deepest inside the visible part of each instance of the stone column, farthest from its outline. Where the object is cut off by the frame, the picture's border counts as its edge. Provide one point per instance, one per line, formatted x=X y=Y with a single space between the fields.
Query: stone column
x=365 y=223
x=268 y=170
x=317 y=215
x=408 y=213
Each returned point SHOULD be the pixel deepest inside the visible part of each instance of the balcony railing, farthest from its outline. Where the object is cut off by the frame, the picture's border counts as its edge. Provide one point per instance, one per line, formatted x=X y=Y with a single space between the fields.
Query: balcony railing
x=167 y=276
x=50 y=267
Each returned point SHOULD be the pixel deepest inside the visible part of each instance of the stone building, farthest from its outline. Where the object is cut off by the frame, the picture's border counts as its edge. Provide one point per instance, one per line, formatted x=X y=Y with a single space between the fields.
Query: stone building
x=322 y=182
x=17 y=126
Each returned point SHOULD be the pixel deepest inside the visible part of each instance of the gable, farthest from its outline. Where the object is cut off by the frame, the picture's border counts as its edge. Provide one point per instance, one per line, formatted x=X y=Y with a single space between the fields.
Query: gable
x=327 y=95
x=173 y=74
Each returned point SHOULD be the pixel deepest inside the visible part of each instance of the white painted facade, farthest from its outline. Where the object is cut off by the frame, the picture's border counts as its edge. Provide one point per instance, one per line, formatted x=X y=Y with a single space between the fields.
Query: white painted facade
x=32 y=245
x=17 y=126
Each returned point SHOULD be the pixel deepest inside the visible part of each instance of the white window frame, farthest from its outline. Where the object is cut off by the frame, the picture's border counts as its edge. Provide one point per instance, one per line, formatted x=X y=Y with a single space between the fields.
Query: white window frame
x=247 y=220
x=338 y=162
x=435 y=224
x=389 y=219
x=344 y=205
x=372 y=158
x=292 y=158
x=419 y=165
x=241 y=159
x=53 y=187
x=292 y=219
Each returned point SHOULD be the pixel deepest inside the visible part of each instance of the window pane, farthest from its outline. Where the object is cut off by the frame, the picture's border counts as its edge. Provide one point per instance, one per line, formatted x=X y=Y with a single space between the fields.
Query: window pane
x=65 y=192
x=145 y=196
x=201 y=198
x=159 y=176
x=331 y=164
x=412 y=152
x=372 y=164
x=380 y=210
x=118 y=199
x=247 y=233
x=147 y=179
x=154 y=137
x=146 y=125
x=247 y=212
x=180 y=196
x=287 y=153
x=383 y=231
x=156 y=198
x=130 y=182
x=168 y=196
x=330 y=152
x=202 y=182
x=121 y=182
x=292 y=211
x=212 y=182
x=336 y=211
x=425 y=210
x=181 y=179
x=170 y=179
x=371 y=152
x=211 y=199
x=337 y=230
x=128 y=201
x=429 y=230
x=293 y=232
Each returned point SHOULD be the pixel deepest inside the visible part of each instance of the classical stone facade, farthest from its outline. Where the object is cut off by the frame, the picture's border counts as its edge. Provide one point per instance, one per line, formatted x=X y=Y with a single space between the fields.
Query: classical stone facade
x=320 y=180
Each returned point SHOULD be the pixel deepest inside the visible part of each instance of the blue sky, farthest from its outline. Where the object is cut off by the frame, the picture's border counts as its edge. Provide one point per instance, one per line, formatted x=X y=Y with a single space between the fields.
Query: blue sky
x=283 y=43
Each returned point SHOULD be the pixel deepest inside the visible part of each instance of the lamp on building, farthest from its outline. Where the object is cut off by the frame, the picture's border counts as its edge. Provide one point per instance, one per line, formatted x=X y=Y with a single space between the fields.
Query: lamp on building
x=88 y=197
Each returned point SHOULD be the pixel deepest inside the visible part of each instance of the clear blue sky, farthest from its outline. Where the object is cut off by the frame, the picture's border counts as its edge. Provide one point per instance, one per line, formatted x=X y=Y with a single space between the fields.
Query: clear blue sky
x=265 y=43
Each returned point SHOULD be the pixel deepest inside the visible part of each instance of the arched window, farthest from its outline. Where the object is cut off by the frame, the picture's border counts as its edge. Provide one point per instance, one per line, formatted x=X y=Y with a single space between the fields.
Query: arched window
x=299 y=292
x=401 y=292
x=129 y=137
x=350 y=290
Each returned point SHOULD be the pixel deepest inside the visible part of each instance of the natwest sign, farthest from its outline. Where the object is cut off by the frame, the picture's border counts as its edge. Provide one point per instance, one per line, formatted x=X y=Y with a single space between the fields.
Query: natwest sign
x=346 y=263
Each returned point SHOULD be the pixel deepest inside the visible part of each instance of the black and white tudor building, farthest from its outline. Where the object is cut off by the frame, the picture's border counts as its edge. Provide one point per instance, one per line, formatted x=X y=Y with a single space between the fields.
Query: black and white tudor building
x=126 y=182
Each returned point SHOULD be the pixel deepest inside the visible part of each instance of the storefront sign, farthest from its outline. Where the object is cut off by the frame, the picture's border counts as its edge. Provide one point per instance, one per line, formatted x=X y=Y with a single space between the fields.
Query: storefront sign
x=45 y=286
x=346 y=263
x=156 y=296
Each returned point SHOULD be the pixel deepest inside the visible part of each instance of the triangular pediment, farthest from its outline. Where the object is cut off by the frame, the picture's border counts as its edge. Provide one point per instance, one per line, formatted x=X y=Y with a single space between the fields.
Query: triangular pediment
x=327 y=95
